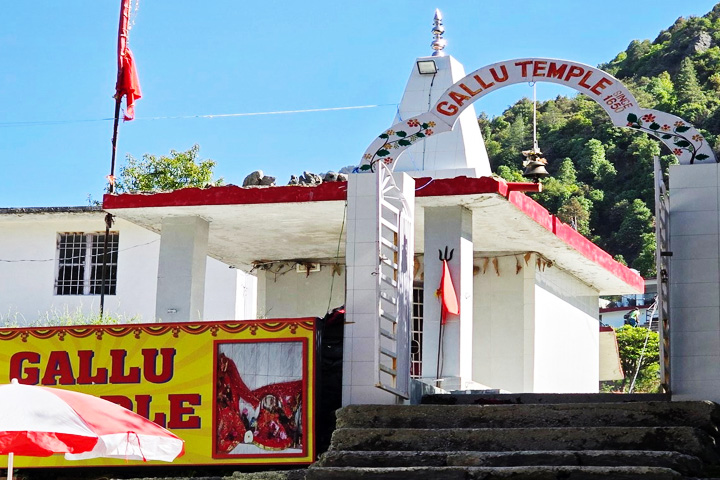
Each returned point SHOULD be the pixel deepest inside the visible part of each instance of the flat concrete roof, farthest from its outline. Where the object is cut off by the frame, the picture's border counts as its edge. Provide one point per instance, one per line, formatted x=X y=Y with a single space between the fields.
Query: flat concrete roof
x=305 y=222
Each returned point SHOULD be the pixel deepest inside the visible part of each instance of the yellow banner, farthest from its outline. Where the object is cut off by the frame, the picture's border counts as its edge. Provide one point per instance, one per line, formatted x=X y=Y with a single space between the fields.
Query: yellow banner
x=235 y=392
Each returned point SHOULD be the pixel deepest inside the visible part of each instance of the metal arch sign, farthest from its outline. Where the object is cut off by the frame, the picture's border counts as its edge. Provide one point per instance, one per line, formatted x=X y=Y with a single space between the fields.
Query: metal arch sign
x=681 y=137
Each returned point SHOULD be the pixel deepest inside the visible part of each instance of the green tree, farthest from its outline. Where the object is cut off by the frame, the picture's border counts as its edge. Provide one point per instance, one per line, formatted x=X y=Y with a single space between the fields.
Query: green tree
x=162 y=173
x=690 y=95
x=663 y=90
x=594 y=165
x=639 y=350
x=576 y=213
x=645 y=262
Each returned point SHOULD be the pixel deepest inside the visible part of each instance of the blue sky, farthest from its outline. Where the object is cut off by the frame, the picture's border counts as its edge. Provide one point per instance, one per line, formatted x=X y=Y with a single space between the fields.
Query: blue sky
x=226 y=57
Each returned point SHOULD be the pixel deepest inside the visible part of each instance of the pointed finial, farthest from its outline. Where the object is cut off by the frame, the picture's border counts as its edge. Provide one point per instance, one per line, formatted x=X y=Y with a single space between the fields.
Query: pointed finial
x=438 y=43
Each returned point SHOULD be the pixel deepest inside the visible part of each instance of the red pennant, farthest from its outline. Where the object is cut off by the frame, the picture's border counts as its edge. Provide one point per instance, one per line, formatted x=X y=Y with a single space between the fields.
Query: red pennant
x=446 y=292
x=127 y=84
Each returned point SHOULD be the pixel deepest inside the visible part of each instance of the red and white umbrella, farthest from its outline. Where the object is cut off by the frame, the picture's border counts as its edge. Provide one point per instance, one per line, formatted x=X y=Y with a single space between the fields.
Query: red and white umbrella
x=40 y=421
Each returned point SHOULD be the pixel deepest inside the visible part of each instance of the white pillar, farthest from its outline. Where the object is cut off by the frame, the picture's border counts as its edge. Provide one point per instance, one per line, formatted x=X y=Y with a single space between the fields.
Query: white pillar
x=449 y=227
x=362 y=258
x=694 y=278
x=181 y=269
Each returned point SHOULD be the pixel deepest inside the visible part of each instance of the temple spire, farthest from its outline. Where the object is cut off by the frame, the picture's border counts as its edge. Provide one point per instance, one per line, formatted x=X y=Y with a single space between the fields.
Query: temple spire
x=438 y=43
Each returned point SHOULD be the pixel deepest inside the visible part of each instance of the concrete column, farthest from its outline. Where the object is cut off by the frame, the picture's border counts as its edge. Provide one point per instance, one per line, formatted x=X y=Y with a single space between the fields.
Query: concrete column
x=449 y=227
x=362 y=259
x=181 y=269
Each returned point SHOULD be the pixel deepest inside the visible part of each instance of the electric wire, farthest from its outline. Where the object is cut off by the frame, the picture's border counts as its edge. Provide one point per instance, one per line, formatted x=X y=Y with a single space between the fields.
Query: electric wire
x=80 y=257
x=337 y=256
x=184 y=117
x=652 y=309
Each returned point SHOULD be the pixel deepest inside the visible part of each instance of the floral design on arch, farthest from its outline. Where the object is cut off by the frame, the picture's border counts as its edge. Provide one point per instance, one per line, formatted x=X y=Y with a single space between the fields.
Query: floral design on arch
x=681 y=138
x=388 y=146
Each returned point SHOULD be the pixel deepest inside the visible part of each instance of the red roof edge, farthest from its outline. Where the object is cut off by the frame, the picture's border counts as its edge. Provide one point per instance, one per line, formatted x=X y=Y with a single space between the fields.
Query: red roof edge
x=439 y=187
x=581 y=244
x=591 y=251
x=228 y=195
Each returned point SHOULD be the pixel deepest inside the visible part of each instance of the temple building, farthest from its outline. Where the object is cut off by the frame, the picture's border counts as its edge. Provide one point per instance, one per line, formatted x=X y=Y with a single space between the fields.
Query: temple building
x=527 y=285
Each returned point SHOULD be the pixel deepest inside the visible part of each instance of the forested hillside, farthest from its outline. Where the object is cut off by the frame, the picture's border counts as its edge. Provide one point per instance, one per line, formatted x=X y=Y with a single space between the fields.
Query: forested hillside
x=602 y=176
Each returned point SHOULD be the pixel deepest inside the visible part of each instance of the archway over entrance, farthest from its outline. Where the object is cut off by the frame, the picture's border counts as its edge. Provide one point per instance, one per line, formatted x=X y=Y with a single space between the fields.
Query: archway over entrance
x=683 y=139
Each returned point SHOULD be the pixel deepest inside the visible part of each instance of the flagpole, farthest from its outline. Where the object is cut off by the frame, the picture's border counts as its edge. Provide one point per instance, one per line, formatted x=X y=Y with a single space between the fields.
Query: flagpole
x=437 y=371
x=122 y=46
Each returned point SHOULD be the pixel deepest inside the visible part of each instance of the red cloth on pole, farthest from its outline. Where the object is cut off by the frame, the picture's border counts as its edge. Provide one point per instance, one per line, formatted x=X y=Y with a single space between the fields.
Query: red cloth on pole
x=127 y=84
x=446 y=292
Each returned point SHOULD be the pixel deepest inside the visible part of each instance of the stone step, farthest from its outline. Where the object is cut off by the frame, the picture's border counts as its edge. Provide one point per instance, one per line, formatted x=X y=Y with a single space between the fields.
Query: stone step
x=687 y=440
x=703 y=415
x=494 y=473
x=471 y=398
x=685 y=464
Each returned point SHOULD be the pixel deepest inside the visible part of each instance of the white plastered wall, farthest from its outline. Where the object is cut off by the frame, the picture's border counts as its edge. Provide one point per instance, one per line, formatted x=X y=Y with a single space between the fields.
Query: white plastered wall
x=27 y=286
x=534 y=330
x=28 y=248
x=503 y=328
x=229 y=293
x=567 y=351
x=290 y=294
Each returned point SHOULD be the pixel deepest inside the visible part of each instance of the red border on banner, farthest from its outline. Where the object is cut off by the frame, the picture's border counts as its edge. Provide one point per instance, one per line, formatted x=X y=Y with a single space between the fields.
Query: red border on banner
x=305 y=396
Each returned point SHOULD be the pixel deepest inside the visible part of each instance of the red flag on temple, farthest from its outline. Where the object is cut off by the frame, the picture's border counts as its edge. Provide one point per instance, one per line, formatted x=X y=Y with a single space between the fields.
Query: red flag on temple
x=446 y=292
x=127 y=84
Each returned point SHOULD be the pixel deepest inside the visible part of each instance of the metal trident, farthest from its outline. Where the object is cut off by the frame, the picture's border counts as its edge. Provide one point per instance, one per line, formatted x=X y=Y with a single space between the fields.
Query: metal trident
x=446 y=256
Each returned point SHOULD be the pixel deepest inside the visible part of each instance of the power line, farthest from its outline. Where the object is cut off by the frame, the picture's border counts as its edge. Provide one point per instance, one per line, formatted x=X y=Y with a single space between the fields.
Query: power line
x=94 y=255
x=185 y=117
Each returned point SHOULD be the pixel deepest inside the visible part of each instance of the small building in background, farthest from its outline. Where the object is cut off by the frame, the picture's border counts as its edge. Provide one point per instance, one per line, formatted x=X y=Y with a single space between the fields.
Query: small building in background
x=613 y=309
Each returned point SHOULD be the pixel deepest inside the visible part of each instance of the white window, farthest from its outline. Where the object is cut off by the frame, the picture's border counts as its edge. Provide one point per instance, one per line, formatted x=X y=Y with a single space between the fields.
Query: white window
x=80 y=263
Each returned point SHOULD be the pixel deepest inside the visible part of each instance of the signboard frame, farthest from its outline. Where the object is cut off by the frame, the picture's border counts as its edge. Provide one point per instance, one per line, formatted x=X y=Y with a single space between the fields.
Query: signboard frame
x=116 y=361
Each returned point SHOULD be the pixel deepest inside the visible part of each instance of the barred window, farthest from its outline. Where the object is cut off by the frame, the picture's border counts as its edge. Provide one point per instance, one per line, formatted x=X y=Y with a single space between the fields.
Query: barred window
x=80 y=263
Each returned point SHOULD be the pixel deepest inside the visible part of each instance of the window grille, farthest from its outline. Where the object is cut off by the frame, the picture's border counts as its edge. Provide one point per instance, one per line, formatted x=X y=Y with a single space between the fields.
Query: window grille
x=80 y=263
x=417 y=327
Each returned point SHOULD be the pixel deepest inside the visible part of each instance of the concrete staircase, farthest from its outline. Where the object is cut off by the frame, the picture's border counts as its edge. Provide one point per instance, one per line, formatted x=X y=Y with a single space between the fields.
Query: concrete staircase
x=636 y=440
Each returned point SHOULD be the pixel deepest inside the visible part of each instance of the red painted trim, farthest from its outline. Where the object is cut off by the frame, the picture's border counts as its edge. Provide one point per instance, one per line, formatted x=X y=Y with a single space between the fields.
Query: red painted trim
x=605 y=328
x=532 y=209
x=440 y=187
x=592 y=252
x=228 y=195
x=524 y=187
x=232 y=194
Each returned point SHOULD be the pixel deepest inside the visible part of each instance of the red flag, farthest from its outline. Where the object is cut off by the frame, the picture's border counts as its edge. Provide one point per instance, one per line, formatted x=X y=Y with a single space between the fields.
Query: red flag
x=446 y=292
x=127 y=84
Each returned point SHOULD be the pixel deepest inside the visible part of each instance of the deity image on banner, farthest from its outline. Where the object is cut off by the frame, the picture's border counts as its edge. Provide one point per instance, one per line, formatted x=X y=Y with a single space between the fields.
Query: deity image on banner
x=259 y=398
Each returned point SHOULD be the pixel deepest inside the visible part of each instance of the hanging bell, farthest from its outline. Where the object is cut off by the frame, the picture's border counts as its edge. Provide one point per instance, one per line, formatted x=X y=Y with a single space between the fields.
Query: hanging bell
x=534 y=165
x=535 y=170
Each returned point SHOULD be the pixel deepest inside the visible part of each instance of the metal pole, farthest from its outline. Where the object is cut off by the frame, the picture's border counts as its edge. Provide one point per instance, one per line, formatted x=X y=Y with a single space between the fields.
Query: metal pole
x=108 y=217
x=116 y=122
x=108 y=224
x=439 y=349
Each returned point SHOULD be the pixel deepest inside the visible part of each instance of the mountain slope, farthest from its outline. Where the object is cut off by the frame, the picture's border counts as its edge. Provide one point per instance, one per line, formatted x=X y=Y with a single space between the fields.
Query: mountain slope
x=602 y=179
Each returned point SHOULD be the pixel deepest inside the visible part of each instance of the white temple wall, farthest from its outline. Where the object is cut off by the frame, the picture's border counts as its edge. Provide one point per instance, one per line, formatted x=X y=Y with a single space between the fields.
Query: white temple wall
x=27 y=287
x=695 y=282
x=503 y=329
x=534 y=330
x=293 y=294
x=566 y=334
x=229 y=293
x=29 y=245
